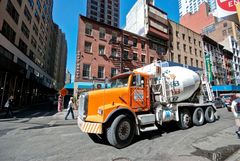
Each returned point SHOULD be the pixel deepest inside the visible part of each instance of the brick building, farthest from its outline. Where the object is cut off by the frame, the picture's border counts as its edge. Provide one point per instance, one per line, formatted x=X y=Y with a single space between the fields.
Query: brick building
x=227 y=67
x=104 y=51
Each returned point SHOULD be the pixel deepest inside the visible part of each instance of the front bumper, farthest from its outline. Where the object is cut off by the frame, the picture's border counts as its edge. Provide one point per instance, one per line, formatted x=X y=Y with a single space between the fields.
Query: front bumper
x=89 y=127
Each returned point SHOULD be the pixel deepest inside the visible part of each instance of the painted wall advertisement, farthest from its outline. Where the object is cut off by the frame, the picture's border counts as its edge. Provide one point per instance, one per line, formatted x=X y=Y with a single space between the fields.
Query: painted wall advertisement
x=226 y=7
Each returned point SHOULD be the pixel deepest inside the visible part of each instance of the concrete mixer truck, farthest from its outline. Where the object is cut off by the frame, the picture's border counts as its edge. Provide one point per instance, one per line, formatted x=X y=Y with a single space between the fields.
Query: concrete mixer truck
x=142 y=100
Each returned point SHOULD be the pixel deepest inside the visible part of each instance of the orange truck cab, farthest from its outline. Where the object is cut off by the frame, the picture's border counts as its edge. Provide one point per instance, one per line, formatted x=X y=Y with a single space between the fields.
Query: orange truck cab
x=129 y=94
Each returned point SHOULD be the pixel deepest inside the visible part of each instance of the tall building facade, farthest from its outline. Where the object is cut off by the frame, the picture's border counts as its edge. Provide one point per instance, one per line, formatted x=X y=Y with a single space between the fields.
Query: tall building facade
x=192 y=6
x=105 y=11
x=185 y=47
x=146 y=20
x=27 y=50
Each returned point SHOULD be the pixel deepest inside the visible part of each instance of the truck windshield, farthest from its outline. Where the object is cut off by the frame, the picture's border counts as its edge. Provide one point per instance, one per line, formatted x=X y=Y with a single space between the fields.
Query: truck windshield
x=121 y=81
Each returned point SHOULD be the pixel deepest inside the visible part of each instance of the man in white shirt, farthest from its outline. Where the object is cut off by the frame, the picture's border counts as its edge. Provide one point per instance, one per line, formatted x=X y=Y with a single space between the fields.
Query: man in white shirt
x=236 y=112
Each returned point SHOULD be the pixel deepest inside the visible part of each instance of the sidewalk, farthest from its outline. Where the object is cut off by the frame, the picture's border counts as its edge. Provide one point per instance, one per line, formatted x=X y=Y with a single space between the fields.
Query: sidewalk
x=20 y=109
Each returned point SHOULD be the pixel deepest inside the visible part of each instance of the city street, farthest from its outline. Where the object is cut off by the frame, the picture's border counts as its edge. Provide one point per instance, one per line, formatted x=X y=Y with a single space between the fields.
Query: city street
x=43 y=134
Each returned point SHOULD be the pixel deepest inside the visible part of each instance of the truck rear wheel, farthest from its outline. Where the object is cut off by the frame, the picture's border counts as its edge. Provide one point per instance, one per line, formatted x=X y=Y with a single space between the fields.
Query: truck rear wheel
x=185 y=120
x=209 y=114
x=198 y=116
x=121 y=132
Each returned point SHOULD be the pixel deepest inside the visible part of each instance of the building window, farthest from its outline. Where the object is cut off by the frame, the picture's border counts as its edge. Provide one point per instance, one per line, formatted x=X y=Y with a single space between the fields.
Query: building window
x=25 y=30
x=8 y=32
x=125 y=54
x=200 y=53
x=190 y=49
x=27 y=14
x=135 y=57
x=21 y=63
x=134 y=42
x=31 y=3
x=114 y=37
x=189 y=39
x=100 y=72
x=183 y=36
x=34 y=42
x=37 y=16
x=191 y=61
x=184 y=47
x=177 y=34
x=185 y=60
x=114 y=52
x=35 y=29
x=179 y=58
x=88 y=29
x=199 y=43
x=113 y=72
x=22 y=46
x=12 y=11
x=201 y=64
x=102 y=33
x=178 y=45
x=101 y=49
x=196 y=52
x=151 y=59
x=19 y=2
x=125 y=39
x=196 y=63
x=194 y=41
x=88 y=47
x=39 y=5
x=143 y=57
x=86 y=70
x=143 y=44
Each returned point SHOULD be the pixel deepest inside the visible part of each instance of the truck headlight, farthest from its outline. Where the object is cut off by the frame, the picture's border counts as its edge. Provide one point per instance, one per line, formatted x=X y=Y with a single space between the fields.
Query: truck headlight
x=83 y=105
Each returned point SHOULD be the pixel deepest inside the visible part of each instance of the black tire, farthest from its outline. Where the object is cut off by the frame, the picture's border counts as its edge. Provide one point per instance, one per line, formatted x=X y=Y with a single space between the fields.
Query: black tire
x=198 y=116
x=209 y=114
x=121 y=132
x=185 y=119
x=96 y=138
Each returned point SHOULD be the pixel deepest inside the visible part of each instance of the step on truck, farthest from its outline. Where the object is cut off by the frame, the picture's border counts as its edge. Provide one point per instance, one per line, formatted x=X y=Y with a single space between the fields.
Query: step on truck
x=142 y=100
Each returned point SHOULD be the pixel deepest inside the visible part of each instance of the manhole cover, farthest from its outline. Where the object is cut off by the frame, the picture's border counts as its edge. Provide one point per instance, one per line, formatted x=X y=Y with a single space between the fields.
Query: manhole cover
x=121 y=159
x=219 y=154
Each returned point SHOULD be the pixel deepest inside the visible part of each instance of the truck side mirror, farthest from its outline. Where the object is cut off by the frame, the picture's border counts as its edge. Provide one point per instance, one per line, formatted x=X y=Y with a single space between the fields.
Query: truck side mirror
x=138 y=80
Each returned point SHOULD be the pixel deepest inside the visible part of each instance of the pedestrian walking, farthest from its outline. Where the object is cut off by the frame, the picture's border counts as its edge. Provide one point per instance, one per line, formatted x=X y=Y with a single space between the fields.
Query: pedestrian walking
x=8 y=105
x=70 y=108
x=235 y=107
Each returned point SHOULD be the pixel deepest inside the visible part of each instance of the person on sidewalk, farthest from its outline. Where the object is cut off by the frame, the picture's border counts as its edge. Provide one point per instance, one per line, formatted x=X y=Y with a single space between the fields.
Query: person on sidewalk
x=235 y=107
x=70 y=108
x=8 y=105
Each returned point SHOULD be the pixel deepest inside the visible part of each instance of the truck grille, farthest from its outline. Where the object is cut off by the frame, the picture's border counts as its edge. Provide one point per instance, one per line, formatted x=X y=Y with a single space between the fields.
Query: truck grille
x=83 y=106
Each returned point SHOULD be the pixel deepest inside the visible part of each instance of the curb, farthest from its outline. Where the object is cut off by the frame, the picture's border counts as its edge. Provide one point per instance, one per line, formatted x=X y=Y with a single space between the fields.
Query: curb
x=234 y=157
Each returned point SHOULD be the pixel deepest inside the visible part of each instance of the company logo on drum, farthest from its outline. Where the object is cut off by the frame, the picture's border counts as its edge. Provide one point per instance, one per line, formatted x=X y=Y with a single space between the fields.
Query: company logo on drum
x=228 y=5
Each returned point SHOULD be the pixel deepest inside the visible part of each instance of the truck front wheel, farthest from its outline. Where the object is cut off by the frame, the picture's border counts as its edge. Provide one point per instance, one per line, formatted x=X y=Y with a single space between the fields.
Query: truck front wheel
x=121 y=132
x=185 y=120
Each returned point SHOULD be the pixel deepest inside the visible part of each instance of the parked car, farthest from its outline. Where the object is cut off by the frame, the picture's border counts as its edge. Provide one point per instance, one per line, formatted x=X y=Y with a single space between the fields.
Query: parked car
x=218 y=102
x=227 y=99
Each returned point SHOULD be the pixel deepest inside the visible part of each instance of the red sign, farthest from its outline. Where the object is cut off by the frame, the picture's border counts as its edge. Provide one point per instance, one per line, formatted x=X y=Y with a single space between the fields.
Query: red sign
x=63 y=92
x=228 y=5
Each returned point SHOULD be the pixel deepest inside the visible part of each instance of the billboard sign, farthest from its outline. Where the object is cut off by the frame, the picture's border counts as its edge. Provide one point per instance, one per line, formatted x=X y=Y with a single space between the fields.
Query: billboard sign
x=226 y=7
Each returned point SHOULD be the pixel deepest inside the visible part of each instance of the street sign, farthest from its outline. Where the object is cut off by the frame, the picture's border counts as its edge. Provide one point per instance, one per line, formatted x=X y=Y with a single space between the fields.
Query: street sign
x=226 y=7
x=63 y=92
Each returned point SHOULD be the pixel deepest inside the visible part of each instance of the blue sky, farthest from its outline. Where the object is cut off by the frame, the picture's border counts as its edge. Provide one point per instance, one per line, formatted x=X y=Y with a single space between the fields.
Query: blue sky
x=65 y=14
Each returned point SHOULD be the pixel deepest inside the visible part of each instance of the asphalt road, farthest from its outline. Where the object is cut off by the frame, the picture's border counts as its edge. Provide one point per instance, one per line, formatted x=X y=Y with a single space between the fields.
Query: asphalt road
x=42 y=134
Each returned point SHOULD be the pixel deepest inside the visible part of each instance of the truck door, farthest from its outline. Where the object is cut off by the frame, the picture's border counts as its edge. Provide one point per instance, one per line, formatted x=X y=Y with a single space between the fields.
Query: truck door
x=139 y=92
